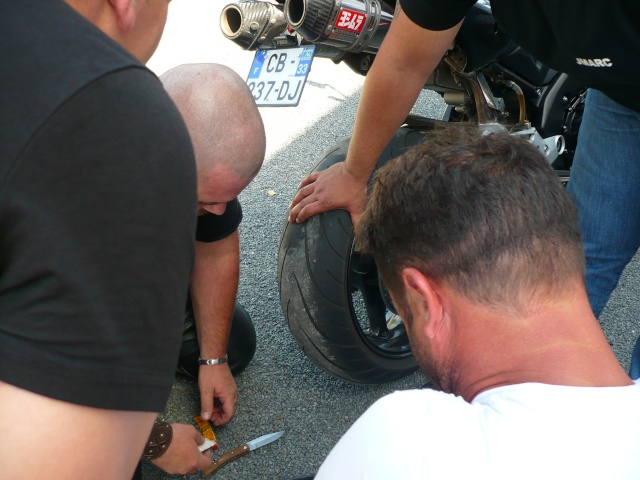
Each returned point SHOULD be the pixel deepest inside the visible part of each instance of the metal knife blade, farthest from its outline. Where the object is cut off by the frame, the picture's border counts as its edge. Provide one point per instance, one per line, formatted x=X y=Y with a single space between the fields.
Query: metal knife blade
x=264 y=440
x=241 y=450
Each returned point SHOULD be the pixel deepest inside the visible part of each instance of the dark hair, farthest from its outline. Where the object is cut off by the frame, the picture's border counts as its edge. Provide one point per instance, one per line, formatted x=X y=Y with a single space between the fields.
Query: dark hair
x=484 y=213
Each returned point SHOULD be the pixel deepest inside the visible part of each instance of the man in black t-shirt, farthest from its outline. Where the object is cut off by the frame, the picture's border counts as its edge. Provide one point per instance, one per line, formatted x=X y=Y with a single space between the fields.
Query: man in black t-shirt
x=596 y=42
x=229 y=143
x=97 y=183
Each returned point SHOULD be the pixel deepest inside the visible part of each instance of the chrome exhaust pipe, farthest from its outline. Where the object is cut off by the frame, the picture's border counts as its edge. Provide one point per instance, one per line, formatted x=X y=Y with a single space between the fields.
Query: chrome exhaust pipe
x=251 y=24
x=349 y=25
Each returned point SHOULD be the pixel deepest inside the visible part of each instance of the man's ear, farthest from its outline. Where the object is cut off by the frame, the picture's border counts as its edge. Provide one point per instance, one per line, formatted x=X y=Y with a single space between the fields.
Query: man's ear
x=125 y=13
x=424 y=297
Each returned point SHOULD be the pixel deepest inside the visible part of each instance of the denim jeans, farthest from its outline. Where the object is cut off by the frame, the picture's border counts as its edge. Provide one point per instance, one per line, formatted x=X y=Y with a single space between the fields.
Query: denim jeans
x=605 y=183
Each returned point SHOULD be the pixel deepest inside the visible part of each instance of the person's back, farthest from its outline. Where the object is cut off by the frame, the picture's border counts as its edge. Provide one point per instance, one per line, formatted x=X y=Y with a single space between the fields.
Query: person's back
x=79 y=143
x=97 y=185
x=526 y=431
x=553 y=431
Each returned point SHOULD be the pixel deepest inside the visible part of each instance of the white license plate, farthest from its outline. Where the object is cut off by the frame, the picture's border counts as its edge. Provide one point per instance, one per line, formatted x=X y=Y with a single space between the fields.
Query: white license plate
x=277 y=76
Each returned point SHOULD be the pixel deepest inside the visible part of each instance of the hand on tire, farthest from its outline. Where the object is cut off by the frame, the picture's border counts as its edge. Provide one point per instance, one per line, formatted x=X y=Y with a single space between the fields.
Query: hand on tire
x=331 y=189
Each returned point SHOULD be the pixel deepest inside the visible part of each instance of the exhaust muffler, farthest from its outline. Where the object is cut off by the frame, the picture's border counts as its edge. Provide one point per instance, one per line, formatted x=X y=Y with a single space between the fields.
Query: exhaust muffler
x=252 y=23
x=349 y=25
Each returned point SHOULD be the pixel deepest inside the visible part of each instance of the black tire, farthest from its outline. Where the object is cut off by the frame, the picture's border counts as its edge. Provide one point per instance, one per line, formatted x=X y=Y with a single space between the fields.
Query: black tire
x=330 y=295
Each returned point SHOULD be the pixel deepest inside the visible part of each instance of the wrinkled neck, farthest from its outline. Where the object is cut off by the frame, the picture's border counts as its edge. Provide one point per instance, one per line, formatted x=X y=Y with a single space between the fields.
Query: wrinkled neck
x=558 y=343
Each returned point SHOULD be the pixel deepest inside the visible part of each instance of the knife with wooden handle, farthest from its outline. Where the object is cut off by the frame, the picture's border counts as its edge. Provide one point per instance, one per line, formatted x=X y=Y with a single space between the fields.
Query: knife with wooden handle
x=240 y=451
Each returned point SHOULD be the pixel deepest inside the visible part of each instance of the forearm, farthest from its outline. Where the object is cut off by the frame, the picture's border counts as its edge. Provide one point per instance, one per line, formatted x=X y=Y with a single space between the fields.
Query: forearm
x=385 y=103
x=407 y=57
x=214 y=286
x=79 y=442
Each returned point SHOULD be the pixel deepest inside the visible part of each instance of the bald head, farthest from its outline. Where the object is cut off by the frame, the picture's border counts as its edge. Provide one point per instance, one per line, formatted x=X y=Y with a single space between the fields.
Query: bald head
x=222 y=118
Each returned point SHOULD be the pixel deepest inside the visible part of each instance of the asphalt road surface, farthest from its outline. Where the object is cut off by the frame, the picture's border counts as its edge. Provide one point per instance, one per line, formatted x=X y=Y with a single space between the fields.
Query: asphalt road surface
x=281 y=389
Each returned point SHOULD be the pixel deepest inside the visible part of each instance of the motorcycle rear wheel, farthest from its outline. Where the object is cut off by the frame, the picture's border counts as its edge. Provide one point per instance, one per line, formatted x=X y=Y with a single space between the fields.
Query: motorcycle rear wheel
x=333 y=300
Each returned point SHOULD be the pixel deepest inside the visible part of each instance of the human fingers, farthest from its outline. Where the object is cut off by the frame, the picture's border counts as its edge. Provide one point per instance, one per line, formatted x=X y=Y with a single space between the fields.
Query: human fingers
x=302 y=197
x=309 y=209
x=308 y=180
x=298 y=204
x=301 y=194
x=206 y=402
x=197 y=437
x=224 y=411
x=316 y=197
x=204 y=461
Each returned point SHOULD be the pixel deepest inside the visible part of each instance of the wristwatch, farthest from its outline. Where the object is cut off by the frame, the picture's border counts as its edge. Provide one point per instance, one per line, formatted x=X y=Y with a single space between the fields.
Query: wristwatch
x=213 y=361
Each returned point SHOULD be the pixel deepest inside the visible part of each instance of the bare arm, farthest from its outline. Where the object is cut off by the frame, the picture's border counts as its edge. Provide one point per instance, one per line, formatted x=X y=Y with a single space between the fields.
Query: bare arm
x=406 y=58
x=214 y=284
x=50 y=439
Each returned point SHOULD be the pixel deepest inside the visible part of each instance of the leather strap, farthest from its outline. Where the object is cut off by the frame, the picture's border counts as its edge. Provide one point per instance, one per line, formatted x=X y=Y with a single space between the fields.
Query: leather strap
x=159 y=440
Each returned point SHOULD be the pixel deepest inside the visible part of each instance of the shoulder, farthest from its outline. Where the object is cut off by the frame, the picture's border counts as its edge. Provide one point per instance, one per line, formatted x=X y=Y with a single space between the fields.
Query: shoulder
x=419 y=429
x=415 y=409
x=424 y=405
x=127 y=114
x=54 y=59
x=136 y=91
x=121 y=125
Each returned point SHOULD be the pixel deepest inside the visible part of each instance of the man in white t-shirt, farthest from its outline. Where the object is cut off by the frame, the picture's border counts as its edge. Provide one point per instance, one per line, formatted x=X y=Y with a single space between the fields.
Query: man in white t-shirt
x=478 y=244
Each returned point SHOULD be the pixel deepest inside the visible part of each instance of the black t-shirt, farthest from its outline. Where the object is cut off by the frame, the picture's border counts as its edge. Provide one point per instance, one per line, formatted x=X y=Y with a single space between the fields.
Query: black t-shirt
x=595 y=42
x=212 y=228
x=97 y=201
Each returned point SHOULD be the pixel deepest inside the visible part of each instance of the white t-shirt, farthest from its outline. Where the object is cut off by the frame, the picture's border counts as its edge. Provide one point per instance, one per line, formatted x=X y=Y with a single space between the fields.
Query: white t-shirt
x=525 y=431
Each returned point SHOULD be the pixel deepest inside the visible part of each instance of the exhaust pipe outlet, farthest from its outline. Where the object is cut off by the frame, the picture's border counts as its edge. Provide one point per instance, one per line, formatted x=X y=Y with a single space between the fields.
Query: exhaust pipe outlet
x=350 y=25
x=252 y=23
